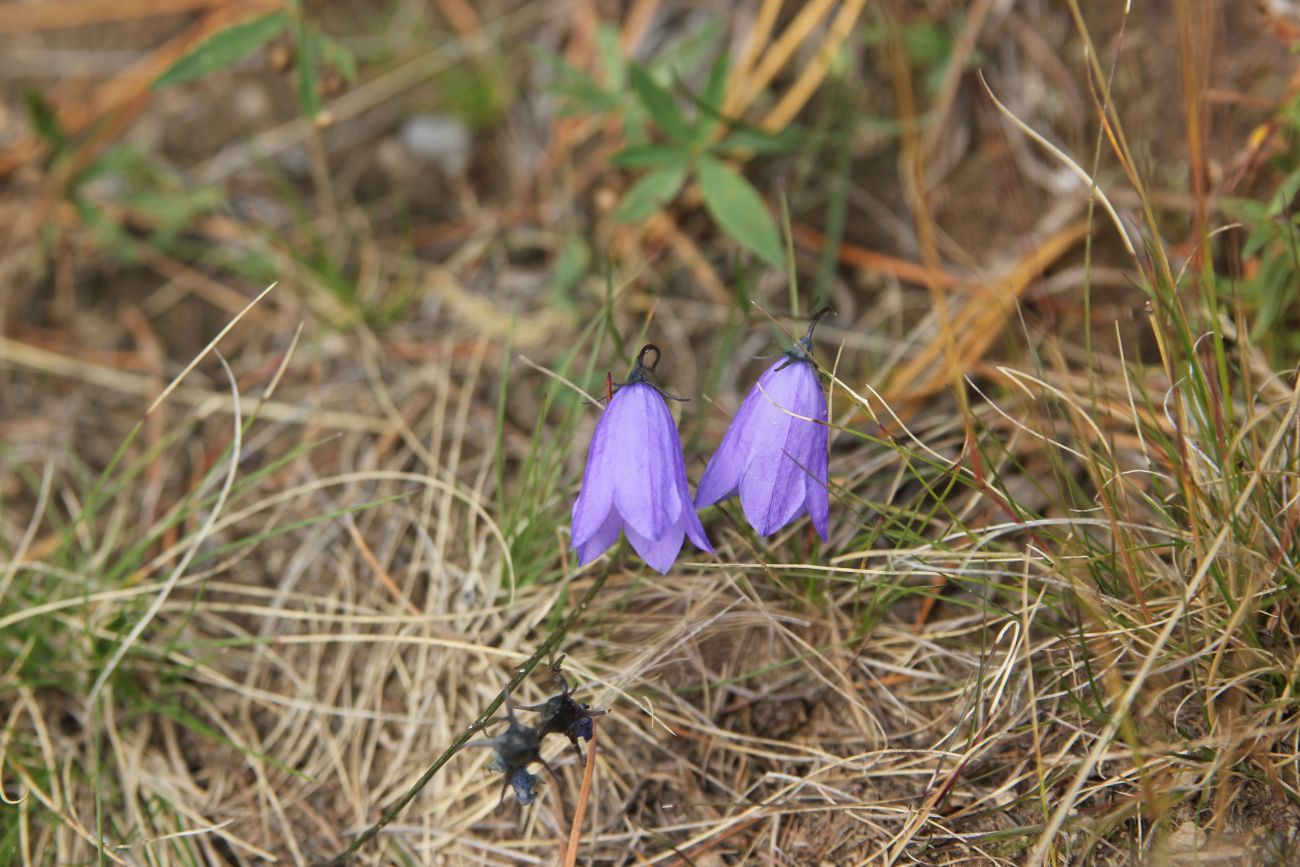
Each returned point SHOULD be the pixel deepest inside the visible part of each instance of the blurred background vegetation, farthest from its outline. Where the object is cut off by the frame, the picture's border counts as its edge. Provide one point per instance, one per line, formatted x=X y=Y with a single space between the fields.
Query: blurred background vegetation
x=1053 y=620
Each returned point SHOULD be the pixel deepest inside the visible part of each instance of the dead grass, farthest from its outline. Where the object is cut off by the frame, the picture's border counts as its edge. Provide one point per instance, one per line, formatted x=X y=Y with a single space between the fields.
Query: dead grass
x=1055 y=622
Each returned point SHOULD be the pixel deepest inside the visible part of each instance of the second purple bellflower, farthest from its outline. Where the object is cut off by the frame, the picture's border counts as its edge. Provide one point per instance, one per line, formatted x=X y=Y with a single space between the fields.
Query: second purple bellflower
x=774 y=451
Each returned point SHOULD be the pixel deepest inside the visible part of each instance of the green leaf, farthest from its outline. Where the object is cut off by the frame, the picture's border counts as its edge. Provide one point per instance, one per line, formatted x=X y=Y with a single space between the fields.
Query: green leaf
x=109 y=232
x=755 y=141
x=223 y=49
x=716 y=87
x=710 y=103
x=609 y=54
x=739 y=210
x=339 y=57
x=647 y=156
x=43 y=118
x=679 y=59
x=578 y=91
x=660 y=104
x=171 y=212
x=651 y=193
x=308 y=43
x=927 y=44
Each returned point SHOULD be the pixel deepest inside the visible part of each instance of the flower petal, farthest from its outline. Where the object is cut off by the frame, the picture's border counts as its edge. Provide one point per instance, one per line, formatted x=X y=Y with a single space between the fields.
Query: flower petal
x=695 y=530
x=772 y=486
x=721 y=477
x=658 y=553
x=596 y=496
x=599 y=541
x=771 y=491
x=687 y=518
x=647 y=453
x=816 y=492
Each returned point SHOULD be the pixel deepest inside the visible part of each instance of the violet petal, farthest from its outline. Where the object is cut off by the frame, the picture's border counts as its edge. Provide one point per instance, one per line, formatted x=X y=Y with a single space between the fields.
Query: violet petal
x=658 y=553
x=772 y=488
x=596 y=496
x=647 y=445
x=816 y=493
x=721 y=477
x=600 y=541
x=695 y=530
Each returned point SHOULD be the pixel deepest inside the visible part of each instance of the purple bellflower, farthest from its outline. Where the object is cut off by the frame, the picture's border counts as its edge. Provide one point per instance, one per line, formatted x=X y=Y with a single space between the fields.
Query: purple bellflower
x=635 y=479
x=774 y=450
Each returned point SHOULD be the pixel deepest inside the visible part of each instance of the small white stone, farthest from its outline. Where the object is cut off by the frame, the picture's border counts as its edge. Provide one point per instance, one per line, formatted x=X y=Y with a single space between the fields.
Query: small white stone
x=438 y=138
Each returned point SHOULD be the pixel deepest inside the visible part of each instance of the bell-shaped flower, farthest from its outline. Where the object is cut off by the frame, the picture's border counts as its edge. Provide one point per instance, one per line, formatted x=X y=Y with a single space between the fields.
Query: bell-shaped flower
x=635 y=479
x=774 y=451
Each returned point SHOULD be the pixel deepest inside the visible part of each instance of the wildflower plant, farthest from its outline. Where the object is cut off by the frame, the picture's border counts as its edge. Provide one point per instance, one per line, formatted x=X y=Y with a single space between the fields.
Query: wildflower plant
x=774 y=453
x=635 y=478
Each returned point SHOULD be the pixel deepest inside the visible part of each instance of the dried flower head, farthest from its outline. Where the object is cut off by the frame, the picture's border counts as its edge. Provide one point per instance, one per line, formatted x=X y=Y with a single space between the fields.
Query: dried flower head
x=635 y=479
x=561 y=714
x=513 y=750
x=774 y=451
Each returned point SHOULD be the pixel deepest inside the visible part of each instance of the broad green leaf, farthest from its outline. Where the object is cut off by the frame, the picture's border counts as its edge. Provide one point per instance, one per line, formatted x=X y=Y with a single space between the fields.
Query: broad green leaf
x=473 y=94
x=651 y=193
x=1285 y=193
x=224 y=49
x=647 y=156
x=739 y=210
x=660 y=104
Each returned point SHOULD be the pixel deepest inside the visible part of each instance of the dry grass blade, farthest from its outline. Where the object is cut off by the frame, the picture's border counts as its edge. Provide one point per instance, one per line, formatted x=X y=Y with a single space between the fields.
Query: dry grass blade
x=811 y=76
x=1064 y=159
x=580 y=809
x=29 y=16
x=200 y=538
x=778 y=54
x=872 y=260
x=212 y=345
x=980 y=321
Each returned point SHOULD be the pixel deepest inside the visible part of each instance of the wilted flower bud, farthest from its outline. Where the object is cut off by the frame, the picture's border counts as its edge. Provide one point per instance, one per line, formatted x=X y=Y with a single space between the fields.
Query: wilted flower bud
x=561 y=714
x=774 y=451
x=523 y=783
x=512 y=752
x=635 y=479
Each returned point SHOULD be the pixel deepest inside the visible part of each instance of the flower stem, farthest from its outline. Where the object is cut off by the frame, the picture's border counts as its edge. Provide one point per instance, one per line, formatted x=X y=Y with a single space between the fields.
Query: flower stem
x=806 y=342
x=640 y=369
